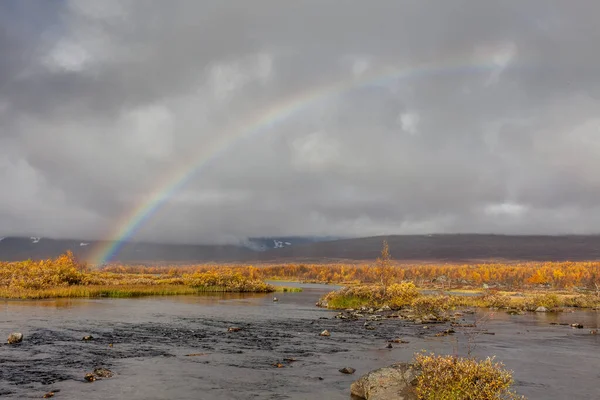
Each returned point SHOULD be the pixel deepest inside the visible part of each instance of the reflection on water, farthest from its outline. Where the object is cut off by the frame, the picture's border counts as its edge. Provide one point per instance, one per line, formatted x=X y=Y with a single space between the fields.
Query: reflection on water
x=51 y=303
x=151 y=336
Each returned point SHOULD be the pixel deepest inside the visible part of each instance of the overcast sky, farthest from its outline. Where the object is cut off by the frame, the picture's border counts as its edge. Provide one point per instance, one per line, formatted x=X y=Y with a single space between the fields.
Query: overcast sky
x=101 y=101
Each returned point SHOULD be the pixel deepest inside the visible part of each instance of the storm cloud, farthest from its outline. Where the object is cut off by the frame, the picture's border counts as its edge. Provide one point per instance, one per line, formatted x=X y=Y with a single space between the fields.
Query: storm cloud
x=102 y=103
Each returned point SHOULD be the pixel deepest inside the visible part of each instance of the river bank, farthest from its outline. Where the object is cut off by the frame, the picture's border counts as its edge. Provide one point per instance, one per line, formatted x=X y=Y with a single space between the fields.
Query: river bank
x=151 y=338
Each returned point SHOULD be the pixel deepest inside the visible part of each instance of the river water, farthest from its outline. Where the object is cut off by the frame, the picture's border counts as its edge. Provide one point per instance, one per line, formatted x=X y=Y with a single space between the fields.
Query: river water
x=151 y=338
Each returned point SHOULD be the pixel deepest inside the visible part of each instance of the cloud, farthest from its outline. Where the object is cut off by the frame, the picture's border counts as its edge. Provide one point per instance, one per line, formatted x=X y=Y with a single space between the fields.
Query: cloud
x=409 y=122
x=103 y=105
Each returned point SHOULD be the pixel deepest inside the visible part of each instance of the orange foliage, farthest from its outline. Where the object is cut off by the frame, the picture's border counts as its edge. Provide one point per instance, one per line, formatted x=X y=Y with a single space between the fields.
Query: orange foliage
x=557 y=275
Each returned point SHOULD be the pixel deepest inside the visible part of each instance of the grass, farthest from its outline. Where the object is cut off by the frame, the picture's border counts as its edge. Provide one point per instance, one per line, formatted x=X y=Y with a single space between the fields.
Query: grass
x=406 y=295
x=66 y=277
x=581 y=275
x=457 y=378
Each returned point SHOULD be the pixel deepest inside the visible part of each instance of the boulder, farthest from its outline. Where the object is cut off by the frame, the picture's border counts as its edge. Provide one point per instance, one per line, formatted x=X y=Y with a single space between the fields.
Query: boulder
x=396 y=382
x=322 y=303
x=347 y=370
x=15 y=337
x=541 y=309
x=103 y=373
x=325 y=333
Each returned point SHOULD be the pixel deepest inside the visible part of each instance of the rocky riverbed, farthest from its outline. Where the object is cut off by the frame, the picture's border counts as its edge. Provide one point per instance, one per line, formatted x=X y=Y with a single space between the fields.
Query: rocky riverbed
x=183 y=347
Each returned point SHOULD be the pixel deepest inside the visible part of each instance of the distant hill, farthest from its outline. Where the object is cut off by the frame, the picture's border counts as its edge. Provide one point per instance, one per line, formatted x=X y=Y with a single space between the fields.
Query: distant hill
x=449 y=248
x=36 y=248
x=409 y=248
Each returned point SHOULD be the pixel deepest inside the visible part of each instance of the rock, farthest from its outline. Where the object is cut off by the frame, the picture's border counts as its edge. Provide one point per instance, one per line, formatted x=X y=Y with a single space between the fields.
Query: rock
x=389 y=346
x=48 y=395
x=278 y=365
x=322 y=303
x=347 y=370
x=15 y=337
x=88 y=337
x=578 y=326
x=89 y=377
x=541 y=309
x=103 y=373
x=325 y=333
x=430 y=317
x=234 y=329
x=395 y=382
x=398 y=341
x=275 y=299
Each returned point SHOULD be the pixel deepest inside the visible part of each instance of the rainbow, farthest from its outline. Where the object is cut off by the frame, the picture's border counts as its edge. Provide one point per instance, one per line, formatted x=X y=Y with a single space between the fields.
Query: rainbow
x=260 y=122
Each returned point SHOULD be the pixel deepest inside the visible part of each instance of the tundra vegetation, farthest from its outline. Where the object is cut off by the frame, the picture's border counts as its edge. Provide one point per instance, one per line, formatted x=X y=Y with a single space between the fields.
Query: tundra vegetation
x=64 y=276
x=551 y=286
x=523 y=286
x=447 y=377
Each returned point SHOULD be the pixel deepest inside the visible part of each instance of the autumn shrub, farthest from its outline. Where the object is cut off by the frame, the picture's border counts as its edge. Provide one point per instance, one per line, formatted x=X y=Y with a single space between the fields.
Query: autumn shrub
x=395 y=296
x=548 y=300
x=455 y=378
x=64 y=276
x=495 y=300
x=522 y=275
x=62 y=271
x=582 y=301
x=401 y=294
x=432 y=304
x=228 y=280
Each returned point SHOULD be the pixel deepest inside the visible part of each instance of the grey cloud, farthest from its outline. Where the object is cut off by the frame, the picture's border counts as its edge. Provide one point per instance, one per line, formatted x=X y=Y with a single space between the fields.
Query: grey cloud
x=103 y=103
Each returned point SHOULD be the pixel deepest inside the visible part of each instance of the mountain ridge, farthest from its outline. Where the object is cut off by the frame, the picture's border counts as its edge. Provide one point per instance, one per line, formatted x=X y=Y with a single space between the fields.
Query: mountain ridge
x=408 y=248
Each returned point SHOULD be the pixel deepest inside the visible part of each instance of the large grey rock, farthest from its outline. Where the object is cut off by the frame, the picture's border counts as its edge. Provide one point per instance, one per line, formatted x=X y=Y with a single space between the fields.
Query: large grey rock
x=396 y=382
x=15 y=337
x=541 y=309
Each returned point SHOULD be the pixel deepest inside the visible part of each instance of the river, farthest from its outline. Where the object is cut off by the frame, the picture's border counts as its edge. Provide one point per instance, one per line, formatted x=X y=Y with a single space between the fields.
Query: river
x=151 y=338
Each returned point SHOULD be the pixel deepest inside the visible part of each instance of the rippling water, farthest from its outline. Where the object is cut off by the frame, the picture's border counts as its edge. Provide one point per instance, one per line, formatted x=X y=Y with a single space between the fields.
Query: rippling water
x=150 y=338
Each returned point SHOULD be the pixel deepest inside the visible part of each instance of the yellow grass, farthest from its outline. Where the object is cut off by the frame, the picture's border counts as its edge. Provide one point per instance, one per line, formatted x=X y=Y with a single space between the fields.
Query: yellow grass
x=66 y=277
x=457 y=378
x=397 y=296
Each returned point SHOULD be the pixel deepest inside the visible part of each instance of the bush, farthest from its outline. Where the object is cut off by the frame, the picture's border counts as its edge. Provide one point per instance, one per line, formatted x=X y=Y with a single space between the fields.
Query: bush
x=436 y=305
x=401 y=294
x=549 y=300
x=395 y=296
x=456 y=378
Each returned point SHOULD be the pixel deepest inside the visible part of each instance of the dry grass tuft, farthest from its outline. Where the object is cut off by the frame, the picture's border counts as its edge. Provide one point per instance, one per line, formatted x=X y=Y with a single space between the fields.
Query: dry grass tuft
x=457 y=378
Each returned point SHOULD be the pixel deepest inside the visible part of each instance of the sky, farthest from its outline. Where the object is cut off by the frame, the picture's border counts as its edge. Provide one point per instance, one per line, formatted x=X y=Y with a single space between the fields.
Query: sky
x=490 y=125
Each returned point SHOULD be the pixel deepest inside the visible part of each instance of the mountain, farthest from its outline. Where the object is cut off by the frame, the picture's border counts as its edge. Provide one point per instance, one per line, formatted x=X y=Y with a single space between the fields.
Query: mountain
x=36 y=248
x=409 y=248
x=449 y=248
x=267 y=243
